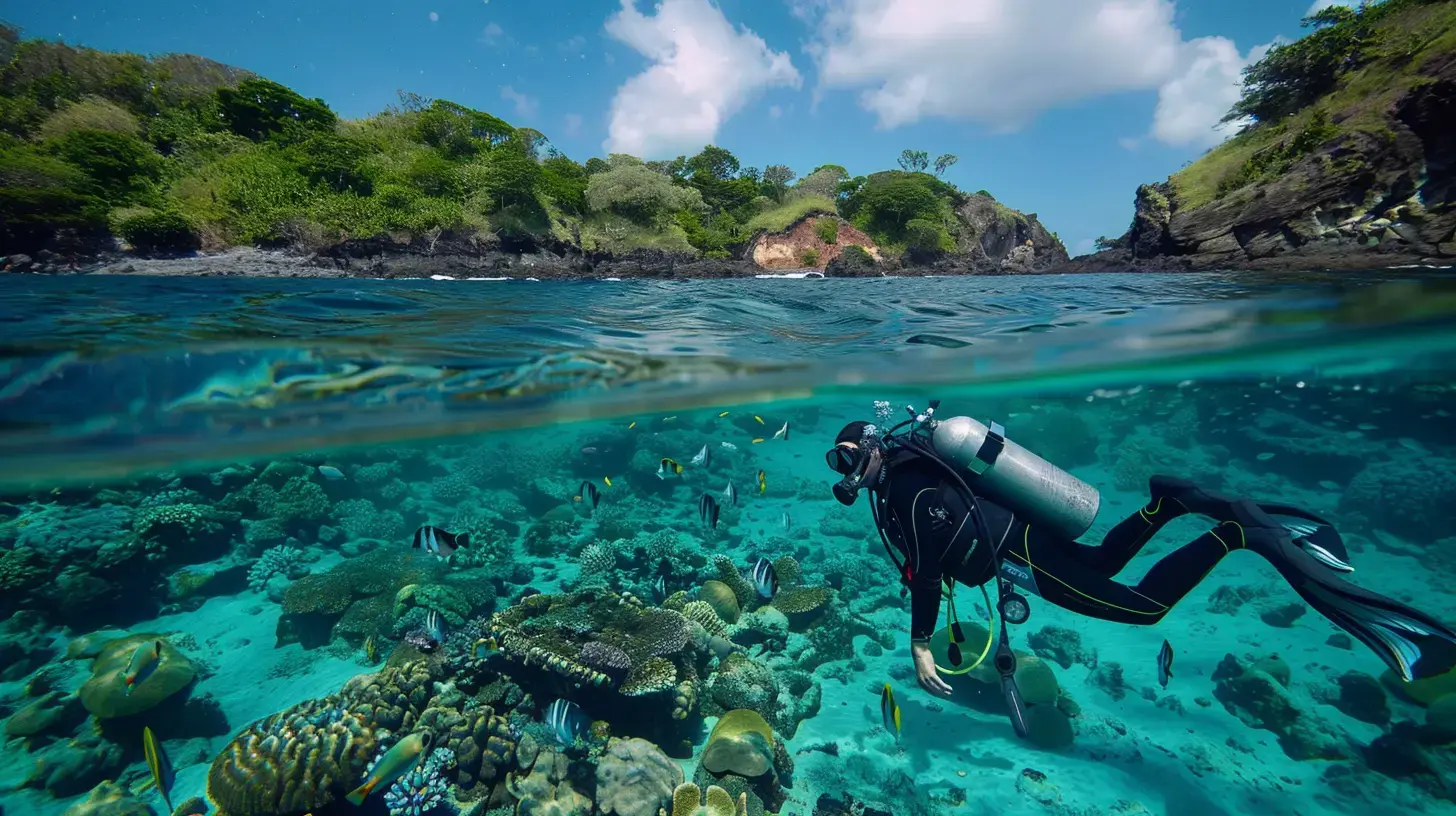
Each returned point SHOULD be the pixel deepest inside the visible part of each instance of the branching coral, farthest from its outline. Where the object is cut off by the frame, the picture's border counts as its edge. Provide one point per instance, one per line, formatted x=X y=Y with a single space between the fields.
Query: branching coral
x=273 y=561
x=423 y=788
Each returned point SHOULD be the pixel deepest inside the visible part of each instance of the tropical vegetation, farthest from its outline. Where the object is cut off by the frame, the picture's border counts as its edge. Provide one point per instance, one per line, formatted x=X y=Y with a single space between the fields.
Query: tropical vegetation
x=178 y=152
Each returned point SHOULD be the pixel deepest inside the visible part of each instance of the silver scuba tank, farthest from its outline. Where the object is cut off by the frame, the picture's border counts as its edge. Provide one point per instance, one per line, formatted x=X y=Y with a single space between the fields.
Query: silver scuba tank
x=1037 y=491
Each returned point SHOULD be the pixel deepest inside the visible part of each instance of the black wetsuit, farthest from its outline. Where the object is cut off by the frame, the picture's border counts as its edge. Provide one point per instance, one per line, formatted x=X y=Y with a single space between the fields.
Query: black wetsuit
x=928 y=519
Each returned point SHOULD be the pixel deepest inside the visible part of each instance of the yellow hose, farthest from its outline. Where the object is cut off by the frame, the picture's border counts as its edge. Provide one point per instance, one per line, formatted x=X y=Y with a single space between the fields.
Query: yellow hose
x=985 y=650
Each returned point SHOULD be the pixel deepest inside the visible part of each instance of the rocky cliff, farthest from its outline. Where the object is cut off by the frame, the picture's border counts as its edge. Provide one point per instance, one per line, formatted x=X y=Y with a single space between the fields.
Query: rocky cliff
x=1363 y=177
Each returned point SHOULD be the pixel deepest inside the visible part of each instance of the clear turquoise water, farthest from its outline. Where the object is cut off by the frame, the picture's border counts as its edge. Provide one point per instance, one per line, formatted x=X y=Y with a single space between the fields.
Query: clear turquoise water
x=487 y=404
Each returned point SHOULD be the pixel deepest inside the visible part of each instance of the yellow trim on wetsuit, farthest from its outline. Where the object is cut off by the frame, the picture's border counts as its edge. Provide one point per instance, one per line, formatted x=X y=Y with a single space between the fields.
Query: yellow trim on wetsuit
x=1026 y=548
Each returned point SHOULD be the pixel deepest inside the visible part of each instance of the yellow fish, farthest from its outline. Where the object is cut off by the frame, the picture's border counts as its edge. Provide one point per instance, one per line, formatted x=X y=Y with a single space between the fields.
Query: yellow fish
x=757 y=440
x=762 y=483
x=633 y=425
x=607 y=480
x=725 y=413
x=668 y=467
x=396 y=762
x=890 y=711
x=157 y=762
x=371 y=649
x=484 y=647
x=758 y=418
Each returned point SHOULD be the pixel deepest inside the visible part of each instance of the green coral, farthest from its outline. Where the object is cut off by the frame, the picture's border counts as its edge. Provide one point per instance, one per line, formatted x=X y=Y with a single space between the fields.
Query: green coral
x=20 y=570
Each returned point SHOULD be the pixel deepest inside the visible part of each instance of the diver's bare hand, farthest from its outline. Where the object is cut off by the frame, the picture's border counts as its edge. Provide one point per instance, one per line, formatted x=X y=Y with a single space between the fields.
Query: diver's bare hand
x=925 y=671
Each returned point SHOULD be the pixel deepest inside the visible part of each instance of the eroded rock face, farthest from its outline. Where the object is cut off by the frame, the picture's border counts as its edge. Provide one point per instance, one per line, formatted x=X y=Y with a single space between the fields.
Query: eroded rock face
x=1005 y=240
x=1360 y=199
x=803 y=248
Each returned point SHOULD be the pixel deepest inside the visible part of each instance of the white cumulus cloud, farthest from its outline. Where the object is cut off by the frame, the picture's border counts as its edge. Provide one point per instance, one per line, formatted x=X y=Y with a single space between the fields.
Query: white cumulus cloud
x=703 y=70
x=1207 y=83
x=998 y=62
x=526 y=107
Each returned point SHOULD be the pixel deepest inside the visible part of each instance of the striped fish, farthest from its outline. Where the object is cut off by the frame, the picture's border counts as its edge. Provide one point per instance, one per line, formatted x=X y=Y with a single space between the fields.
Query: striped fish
x=159 y=765
x=668 y=467
x=765 y=579
x=588 y=493
x=438 y=542
x=890 y=711
x=567 y=722
x=730 y=495
x=708 y=511
x=1165 y=664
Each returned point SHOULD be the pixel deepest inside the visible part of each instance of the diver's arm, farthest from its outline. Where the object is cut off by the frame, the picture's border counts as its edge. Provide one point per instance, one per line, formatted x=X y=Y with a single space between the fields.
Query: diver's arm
x=924 y=608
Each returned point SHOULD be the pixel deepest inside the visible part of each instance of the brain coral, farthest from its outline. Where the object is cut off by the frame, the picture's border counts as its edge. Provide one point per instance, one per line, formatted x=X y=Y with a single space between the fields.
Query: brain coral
x=634 y=778
x=688 y=800
x=722 y=599
x=301 y=758
x=105 y=695
x=741 y=743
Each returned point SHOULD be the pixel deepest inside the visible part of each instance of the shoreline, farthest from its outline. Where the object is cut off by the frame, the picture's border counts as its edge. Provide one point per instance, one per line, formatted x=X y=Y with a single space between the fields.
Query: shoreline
x=255 y=262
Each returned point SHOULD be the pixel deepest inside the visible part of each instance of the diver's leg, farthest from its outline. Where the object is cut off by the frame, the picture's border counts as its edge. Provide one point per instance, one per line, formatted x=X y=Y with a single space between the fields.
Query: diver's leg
x=1414 y=644
x=1127 y=539
x=1060 y=576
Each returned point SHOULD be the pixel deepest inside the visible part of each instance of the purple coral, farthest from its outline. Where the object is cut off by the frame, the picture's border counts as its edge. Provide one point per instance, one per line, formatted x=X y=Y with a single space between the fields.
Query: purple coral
x=606 y=658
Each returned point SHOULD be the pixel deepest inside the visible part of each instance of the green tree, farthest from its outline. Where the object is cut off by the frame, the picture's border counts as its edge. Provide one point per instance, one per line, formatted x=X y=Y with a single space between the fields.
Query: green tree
x=595 y=165
x=118 y=167
x=40 y=194
x=944 y=162
x=260 y=109
x=924 y=239
x=776 y=178
x=633 y=191
x=914 y=161
x=333 y=161
x=565 y=182
x=824 y=181
x=458 y=131
x=715 y=163
x=512 y=174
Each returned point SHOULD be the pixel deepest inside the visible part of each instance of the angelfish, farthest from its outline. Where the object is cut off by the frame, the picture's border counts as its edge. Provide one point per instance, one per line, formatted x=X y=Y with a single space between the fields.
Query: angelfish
x=782 y=433
x=567 y=722
x=708 y=511
x=890 y=711
x=144 y=661
x=160 y=767
x=588 y=493
x=730 y=495
x=765 y=579
x=438 y=542
x=667 y=466
x=1165 y=664
x=396 y=762
x=703 y=458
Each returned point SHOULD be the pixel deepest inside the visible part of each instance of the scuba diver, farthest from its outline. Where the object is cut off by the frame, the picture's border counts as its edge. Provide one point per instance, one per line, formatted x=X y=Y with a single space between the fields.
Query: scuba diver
x=955 y=501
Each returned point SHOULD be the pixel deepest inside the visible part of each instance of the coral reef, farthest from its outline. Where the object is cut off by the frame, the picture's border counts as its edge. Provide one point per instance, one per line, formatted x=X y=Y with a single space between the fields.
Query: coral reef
x=106 y=694
x=634 y=778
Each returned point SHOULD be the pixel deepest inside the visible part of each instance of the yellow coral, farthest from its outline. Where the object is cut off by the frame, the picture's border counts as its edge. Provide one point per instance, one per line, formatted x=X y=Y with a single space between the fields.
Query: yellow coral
x=742 y=743
x=105 y=694
x=705 y=616
x=786 y=567
x=801 y=600
x=687 y=800
x=720 y=597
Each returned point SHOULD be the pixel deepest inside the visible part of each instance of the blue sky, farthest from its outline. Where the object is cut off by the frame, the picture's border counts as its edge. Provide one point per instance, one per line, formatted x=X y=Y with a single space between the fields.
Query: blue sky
x=1058 y=107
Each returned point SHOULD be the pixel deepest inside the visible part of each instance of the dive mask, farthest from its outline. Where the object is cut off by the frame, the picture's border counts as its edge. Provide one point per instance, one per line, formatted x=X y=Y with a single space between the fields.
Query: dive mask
x=856 y=462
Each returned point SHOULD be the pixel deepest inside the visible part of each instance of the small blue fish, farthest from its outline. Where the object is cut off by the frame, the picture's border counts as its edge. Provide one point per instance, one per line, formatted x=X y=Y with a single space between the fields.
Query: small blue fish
x=567 y=722
x=330 y=472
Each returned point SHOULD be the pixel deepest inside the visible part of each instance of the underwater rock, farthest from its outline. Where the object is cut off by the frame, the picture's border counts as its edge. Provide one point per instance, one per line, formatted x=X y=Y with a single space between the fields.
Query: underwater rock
x=109 y=799
x=1227 y=599
x=25 y=645
x=90 y=645
x=1109 y=678
x=1284 y=615
x=1362 y=697
x=73 y=767
x=53 y=714
x=546 y=790
x=1061 y=646
x=634 y=778
x=1440 y=726
x=1340 y=640
x=106 y=695
x=1407 y=495
x=1261 y=701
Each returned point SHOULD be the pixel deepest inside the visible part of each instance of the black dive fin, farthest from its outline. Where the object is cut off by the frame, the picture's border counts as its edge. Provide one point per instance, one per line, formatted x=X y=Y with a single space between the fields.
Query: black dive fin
x=1413 y=644
x=1313 y=534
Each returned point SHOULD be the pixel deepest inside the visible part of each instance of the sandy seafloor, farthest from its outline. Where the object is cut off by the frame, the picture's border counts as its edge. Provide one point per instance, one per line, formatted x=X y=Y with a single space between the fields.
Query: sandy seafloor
x=1131 y=756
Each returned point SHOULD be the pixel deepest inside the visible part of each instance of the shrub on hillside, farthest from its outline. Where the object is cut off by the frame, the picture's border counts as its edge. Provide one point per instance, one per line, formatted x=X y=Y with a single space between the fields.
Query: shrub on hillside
x=158 y=232
x=89 y=113
x=827 y=229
